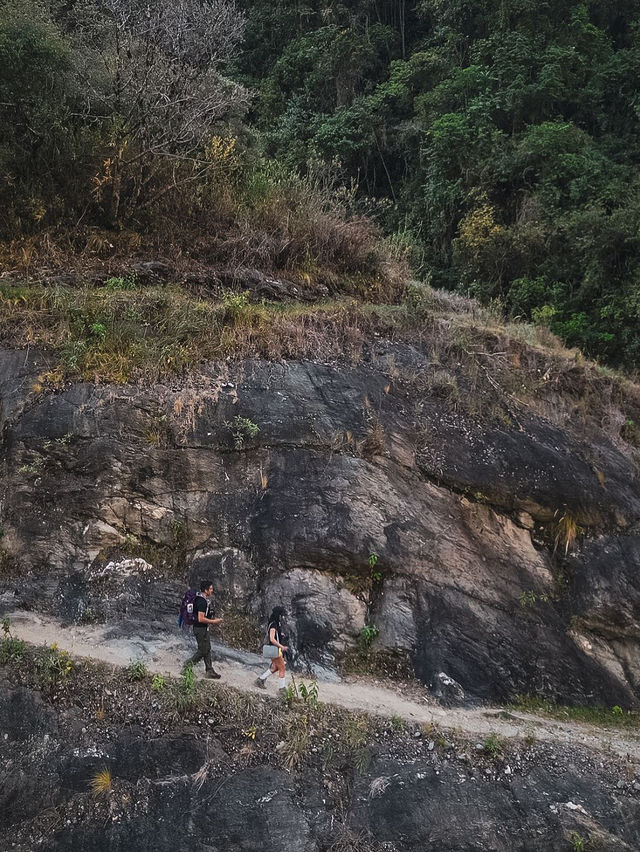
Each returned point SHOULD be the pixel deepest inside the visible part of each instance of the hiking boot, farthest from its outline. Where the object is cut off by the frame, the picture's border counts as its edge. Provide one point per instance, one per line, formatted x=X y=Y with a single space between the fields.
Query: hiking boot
x=282 y=696
x=261 y=683
x=212 y=674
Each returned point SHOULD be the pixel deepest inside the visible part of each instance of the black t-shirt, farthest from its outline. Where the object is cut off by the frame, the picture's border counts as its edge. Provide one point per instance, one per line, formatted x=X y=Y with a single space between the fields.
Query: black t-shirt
x=201 y=605
x=273 y=624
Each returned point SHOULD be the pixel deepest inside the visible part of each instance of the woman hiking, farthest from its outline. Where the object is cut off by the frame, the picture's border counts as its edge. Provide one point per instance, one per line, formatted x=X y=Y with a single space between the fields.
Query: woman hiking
x=274 y=649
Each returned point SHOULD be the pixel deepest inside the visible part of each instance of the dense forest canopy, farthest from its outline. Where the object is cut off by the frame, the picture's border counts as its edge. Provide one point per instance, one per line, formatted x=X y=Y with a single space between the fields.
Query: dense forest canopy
x=497 y=143
x=502 y=137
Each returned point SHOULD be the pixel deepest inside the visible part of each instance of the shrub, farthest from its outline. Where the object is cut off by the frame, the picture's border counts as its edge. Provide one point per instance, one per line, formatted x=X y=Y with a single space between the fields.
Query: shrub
x=242 y=630
x=158 y=683
x=368 y=634
x=236 y=306
x=577 y=841
x=296 y=744
x=12 y=650
x=38 y=94
x=630 y=432
x=373 y=442
x=241 y=428
x=185 y=693
x=52 y=668
x=307 y=694
x=136 y=671
x=398 y=723
x=493 y=745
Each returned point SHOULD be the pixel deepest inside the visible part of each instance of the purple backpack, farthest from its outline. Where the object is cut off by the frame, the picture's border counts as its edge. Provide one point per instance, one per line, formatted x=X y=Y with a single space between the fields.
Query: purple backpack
x=187 y=616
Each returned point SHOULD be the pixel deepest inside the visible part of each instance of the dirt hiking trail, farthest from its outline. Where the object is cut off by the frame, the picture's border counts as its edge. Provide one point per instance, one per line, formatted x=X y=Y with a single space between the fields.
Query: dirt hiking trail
x=165 y=652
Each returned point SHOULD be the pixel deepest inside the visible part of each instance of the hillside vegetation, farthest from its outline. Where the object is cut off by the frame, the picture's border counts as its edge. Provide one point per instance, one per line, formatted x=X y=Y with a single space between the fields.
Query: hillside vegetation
x=497 y=141
x=495 y=146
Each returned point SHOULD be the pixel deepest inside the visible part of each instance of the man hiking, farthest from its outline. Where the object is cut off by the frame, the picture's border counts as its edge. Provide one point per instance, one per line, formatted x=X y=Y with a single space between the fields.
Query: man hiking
x=202 y=613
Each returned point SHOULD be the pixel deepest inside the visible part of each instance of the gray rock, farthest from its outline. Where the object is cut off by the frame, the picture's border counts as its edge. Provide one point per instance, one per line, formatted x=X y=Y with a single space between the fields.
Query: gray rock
x=448 y=690
x=294 y=515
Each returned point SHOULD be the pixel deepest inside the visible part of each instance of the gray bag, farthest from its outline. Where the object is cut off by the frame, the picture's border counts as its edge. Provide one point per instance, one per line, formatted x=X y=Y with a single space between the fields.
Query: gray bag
x=270 y=651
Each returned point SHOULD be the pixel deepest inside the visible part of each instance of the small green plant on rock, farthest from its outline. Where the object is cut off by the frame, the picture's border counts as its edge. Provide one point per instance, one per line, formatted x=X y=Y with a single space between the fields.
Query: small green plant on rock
x=136 y=670
x=374 y=572
x=493 y=745
x=156 y=432
x=185 y=692
x=530 y=598
x=241 y=429
x=158 y=683
x=577 y=842
x=366 y=586
x=368 y=634
x=12 y=650
x=53 y=667
x=32 y=468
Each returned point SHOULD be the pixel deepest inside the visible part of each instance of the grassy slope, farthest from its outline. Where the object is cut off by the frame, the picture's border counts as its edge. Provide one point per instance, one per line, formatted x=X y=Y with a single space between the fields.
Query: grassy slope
x=121 y=331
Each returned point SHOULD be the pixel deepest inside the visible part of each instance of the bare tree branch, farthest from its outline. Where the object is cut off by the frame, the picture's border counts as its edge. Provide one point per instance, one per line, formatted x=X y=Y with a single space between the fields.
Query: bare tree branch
x=156 y=69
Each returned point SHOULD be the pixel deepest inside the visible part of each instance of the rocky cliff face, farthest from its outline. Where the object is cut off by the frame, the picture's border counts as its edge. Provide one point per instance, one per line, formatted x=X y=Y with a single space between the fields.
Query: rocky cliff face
x=470 y=517
x=201 y=782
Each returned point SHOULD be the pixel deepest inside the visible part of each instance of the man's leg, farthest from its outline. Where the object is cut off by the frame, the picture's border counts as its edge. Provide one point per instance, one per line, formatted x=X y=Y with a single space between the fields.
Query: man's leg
x=195 y=658
x=199 y=655
x=204 y=650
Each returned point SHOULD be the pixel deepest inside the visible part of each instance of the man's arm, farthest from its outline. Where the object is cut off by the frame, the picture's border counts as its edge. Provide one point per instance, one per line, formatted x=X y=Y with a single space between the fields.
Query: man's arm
x=202 y=619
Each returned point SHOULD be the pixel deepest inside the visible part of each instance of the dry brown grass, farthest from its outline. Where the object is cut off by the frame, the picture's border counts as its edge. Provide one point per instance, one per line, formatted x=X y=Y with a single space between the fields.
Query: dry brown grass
x=345 y=840
x=567 y=532
x=293 y=226
x=101 y=783
x=505 y=371
x=477 y=366
x=373 y=443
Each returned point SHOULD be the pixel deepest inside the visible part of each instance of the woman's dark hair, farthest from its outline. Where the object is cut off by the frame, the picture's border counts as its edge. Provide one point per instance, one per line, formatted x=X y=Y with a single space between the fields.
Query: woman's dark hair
x=276 y=614
x=204 y=585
